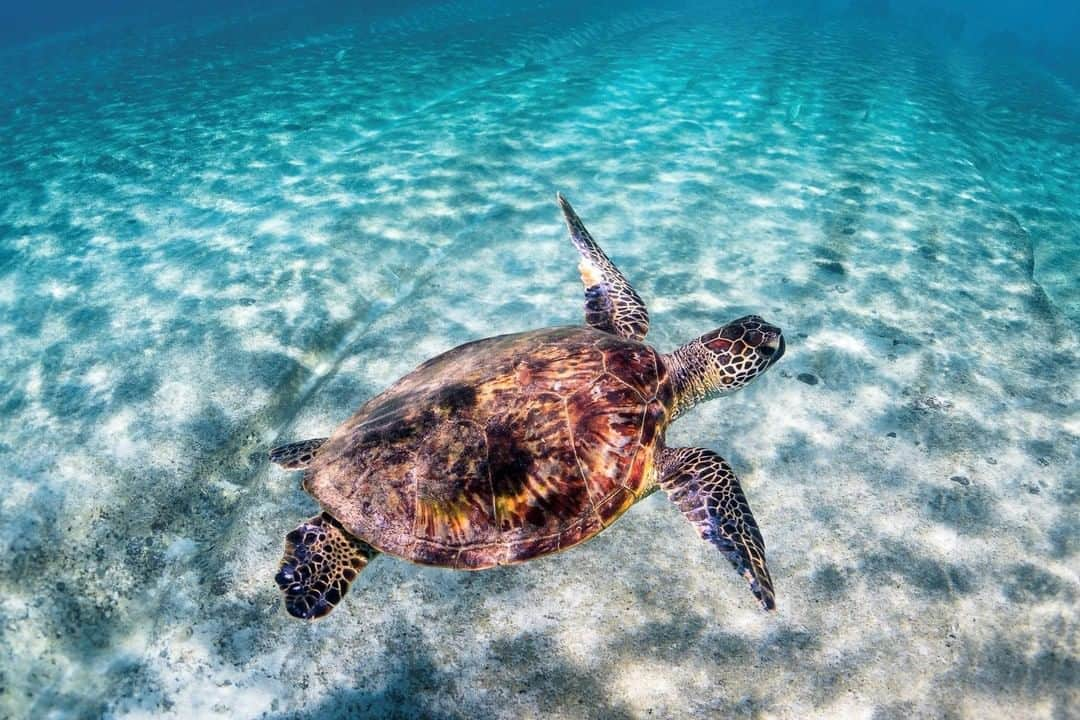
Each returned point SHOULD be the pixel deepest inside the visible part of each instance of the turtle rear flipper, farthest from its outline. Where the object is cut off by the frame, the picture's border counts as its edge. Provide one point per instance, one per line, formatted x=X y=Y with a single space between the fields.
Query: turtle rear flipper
x=297 y=455
x=321 y=560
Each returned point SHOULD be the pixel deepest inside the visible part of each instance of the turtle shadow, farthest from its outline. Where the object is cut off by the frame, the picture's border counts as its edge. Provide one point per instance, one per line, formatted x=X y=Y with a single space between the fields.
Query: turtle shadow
x=414 y=674
x=418 y=685
x=690 y=636
x=1007 y=668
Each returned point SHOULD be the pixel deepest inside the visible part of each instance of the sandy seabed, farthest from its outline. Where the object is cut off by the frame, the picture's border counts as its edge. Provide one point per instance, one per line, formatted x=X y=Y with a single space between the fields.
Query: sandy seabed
x=223 y=236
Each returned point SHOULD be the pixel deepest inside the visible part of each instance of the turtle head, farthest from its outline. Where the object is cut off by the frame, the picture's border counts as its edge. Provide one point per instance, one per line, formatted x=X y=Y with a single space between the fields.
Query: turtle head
x=724 y=360
x=742 y=350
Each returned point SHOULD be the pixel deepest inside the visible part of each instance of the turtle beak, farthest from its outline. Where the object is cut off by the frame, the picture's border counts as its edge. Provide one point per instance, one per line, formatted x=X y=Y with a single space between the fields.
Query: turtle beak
x=774 y=348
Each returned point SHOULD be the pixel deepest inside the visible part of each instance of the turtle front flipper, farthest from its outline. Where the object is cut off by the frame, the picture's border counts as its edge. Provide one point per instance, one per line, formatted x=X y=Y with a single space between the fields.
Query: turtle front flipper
x=611 y=304
x=705 y=488
x=297 y=455
x=321 y=560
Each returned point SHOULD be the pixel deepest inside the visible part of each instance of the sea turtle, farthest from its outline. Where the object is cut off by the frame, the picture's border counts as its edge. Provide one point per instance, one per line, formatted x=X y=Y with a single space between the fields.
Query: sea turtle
x=516 y=446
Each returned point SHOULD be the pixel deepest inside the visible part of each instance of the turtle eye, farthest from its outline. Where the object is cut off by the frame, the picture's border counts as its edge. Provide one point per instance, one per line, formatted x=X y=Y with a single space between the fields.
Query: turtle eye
x=773 y=351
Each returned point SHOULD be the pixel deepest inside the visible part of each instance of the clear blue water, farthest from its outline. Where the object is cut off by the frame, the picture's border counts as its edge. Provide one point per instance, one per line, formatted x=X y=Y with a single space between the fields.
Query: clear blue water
x=229 y=228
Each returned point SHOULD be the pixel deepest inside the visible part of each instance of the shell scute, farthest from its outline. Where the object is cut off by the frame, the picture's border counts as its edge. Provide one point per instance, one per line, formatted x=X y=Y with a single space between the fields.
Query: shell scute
x=535 y=480
x=615 y=504
x=579 y=531
x=452 y=488
x=606 y=420
x=535 y=546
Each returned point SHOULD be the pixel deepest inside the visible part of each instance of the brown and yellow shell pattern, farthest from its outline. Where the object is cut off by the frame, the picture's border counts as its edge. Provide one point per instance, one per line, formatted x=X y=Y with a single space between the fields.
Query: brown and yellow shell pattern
x=500 y=450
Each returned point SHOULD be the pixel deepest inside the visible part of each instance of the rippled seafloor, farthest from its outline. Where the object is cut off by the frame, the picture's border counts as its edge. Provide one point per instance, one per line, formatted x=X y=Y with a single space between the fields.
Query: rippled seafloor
x=215 y=237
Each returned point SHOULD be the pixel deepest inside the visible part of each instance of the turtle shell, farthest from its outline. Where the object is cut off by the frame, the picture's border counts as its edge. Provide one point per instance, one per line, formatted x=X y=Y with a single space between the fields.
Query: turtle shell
x=499 y=450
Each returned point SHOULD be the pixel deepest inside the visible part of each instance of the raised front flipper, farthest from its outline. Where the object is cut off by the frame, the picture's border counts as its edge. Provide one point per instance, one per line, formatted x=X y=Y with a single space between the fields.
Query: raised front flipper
x=320 y=562
x=705 y=488
x=611 y=304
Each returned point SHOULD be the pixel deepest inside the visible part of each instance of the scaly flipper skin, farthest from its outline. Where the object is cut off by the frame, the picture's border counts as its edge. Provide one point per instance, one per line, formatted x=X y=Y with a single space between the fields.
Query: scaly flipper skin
x=297 y=455
x=320 y=562
x=705 y=488
x=611 y=304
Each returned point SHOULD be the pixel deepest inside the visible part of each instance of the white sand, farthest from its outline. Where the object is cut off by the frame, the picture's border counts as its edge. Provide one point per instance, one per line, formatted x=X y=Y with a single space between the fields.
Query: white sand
x=232 y=241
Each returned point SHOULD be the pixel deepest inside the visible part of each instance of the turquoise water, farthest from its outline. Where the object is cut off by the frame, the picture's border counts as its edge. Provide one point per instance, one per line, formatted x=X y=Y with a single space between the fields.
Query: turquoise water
x=221 y=232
